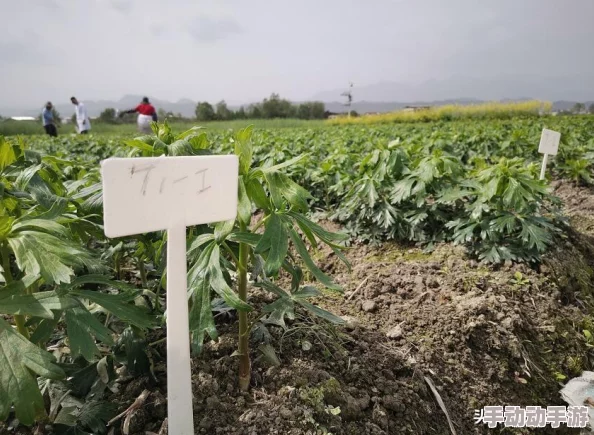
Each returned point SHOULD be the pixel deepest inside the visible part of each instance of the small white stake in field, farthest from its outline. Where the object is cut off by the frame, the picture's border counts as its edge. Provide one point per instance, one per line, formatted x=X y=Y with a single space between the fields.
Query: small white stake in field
x=549 y=144
x=169 y=193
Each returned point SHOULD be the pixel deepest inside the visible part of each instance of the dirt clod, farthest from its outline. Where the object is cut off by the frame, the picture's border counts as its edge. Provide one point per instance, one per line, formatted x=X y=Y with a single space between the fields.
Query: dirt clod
x=369 y=306
x=395 y=332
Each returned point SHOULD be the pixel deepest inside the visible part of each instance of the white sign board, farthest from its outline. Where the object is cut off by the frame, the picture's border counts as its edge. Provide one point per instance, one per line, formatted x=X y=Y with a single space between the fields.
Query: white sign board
x=549 y=142
x=153 y=193
x=157 y=193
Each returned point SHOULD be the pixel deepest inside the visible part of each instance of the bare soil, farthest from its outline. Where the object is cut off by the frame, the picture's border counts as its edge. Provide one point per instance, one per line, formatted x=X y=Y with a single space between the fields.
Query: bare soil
x=508 y=335
x=484 y=335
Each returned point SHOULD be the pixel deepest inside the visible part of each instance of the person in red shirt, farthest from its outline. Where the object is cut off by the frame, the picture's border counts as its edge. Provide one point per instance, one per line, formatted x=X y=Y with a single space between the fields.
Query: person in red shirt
x=146 y=115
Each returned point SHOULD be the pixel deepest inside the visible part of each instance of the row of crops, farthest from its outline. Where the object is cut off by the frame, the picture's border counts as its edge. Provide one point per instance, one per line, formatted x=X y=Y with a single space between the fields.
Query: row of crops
x=75 y=305
x=474 y=183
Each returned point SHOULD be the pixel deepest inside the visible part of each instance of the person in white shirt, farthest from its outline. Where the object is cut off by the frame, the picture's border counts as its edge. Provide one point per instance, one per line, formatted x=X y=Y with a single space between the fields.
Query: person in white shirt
x=82 y=119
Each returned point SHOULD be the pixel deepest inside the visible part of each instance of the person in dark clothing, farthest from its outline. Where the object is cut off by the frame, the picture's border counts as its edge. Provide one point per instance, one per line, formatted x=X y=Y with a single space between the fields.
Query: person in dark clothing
x=47 y=118
x=146 y=115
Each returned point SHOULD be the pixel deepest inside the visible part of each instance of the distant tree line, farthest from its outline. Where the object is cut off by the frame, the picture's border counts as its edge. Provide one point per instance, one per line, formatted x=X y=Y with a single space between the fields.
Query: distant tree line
x=578 y=109
x=269 y=108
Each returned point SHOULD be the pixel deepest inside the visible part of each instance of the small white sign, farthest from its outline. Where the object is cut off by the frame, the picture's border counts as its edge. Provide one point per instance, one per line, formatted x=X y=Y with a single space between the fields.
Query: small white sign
x=549 y=142
x=141 y=195
x=157 y=193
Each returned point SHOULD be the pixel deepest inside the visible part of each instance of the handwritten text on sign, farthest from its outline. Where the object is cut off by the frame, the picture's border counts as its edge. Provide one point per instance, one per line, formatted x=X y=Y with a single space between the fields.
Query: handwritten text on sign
x=154 y=193
x=549 y=142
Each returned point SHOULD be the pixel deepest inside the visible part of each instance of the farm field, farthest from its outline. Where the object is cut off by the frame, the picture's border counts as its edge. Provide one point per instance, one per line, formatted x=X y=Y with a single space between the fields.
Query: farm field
x=434 y=250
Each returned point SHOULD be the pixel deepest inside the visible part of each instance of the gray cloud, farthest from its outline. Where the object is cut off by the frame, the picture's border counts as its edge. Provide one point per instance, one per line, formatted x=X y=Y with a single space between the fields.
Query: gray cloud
x=157 y=29
x=123 y=6
x=206 y=29
x=423 y=49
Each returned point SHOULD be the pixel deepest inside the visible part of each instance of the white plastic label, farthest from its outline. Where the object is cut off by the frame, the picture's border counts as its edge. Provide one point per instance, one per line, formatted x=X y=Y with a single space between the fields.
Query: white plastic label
x=155 y=193
x=549 y=142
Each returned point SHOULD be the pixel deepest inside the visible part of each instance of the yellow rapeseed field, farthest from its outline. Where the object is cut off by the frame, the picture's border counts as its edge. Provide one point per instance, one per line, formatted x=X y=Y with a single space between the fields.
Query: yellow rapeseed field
x=493 y=110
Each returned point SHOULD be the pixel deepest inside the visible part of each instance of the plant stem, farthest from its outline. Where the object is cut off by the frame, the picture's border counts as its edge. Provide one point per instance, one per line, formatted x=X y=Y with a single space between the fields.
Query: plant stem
x=158 y=292
x=19 y=319
x=118 y=269
x=142 y=271
x=233 y=257
x=243 y=348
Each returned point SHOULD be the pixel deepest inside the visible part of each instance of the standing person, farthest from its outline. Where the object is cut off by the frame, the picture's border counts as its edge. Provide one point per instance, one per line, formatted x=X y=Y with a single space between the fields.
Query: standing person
x=146 y=115
x=82 y=119
x=47 y=118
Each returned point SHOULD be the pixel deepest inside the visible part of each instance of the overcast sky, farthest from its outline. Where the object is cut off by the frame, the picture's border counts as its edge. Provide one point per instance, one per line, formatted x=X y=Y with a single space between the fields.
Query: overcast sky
x=243 y=50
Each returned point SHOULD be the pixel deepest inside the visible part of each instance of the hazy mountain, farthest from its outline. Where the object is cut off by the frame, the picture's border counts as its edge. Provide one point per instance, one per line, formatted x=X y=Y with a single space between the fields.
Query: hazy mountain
x=578 y=88
x=186 y=106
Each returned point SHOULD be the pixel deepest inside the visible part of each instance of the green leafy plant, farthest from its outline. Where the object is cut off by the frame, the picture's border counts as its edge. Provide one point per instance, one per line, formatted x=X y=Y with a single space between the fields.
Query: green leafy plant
x=518 y=280
x=241 y=245
x=46 y=271
x=579 y=171
x=509 y=215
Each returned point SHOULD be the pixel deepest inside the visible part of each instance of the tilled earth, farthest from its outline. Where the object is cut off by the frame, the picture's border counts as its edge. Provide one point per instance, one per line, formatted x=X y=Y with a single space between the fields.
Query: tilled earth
x=483 y=335
x=508 y=335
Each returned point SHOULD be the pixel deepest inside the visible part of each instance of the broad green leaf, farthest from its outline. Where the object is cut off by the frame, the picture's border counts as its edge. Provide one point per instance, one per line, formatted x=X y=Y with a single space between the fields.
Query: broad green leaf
x=223 y=229
x=244 y=149
x=453 y=195
x=82 y=326
x=279 y=310
x=39 y=253
x=199 y=241
x=44 y=225
x=257 y=194
x=198 y=271
x=82 y=280
x=134 y=350
x=282 y=186
x=199 y=142
x=20 y=360
x=490 y=189
x=273 y=288
x=135 y=143
x=5 y=226
x=37 y=304
x=201 y=318
x=196 y=130
x=311 y=266
x=276 y=168
x=269 y=354
x=35 y=258
x=180 y=148
x=121 y=306
x=402 y=190
x=25 y=176
x=320 y=312
x=52 y=301
x=251 y=239
x=275 y=187
x=327 y=237
x=534 y=236
x=95 y=415
x=504 y=223
x=244 y=205
x=219 y=284
x=45 y=329
x=7 y=155
x=274 y=241
x=307 y=291
x=67 y=417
